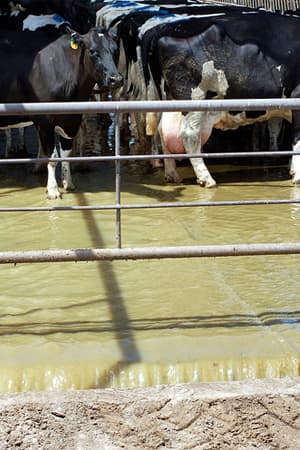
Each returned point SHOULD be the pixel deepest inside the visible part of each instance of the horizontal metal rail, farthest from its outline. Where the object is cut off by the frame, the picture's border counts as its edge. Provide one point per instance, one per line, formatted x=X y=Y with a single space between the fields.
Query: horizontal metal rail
x=17 y=109
x=286 y=201
x=272 y=5
x=149 y=157
x=148 y=253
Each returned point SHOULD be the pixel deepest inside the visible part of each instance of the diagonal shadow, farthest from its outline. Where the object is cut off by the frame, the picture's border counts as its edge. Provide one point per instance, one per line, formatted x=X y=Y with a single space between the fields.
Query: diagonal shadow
x=120 y=319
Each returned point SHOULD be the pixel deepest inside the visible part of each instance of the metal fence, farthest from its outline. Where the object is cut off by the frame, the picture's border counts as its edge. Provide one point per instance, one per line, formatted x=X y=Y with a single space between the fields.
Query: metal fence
x=120 y=253
x=271 y=5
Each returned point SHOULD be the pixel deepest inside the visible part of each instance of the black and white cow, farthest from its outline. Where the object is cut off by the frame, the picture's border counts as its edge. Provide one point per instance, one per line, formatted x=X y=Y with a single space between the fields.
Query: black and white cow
x=166 y=52
x=132 y=20
x=225 y=54
x=126 y=18
x=42 y=67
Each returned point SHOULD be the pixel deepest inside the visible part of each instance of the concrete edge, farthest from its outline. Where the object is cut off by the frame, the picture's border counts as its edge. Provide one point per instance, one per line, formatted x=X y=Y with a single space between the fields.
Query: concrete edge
x=195 y=391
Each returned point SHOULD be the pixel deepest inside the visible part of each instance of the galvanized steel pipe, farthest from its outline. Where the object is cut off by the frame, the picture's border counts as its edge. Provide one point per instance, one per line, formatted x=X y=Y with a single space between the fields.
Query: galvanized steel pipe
x=156 y=252
x=109 y=207
x=149 y=157
x=41 y=256
x=16 y=109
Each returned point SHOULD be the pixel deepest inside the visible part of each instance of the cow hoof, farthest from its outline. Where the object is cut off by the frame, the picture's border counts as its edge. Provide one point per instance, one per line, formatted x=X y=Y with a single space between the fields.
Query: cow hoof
x=207 y=183
x=53 y=195
x=68 y=186
x=296 y=179
x=173 y=179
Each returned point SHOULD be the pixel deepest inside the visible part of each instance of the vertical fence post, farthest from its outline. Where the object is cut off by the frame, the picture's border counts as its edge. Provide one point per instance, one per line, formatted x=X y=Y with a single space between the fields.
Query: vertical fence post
x=118 y=180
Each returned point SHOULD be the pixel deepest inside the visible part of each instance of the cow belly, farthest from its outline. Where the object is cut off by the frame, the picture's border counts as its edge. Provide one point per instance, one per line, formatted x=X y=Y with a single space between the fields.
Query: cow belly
x=171 y=132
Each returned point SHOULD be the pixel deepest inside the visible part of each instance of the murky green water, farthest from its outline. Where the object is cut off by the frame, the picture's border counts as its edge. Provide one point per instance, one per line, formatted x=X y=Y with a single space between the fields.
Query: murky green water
x=136 y=323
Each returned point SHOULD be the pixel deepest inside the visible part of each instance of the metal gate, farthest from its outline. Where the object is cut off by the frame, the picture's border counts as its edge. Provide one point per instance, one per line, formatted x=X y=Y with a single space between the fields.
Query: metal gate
x=120 y=252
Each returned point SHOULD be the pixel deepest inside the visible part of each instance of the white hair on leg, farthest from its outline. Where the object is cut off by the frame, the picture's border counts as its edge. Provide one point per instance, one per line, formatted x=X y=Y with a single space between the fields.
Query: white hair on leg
x=295 y=164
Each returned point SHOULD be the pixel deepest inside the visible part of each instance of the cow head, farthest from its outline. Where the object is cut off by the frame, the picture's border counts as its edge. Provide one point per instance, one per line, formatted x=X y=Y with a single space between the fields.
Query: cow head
x=97 y=49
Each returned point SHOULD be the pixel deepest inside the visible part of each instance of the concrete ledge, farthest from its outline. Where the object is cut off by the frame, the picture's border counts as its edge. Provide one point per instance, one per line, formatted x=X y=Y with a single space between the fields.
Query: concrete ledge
x=239 y=415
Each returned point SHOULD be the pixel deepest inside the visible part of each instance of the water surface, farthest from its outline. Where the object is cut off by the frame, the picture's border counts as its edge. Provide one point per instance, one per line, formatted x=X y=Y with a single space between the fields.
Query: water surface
x=138 y=323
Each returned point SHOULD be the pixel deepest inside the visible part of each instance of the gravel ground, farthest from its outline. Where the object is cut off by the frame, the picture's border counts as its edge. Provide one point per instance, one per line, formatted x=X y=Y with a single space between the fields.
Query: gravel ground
x=261 y=414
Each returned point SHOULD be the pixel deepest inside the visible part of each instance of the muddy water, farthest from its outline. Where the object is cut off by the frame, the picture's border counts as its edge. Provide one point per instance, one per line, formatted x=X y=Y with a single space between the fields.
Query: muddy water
x=138 y=323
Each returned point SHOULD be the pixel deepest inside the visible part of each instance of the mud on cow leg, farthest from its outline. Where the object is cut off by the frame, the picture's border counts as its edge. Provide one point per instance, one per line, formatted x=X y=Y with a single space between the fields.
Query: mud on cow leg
x=204 y=178
x=171 y=174
x=141 y=144
x=194 y=126
x=66 y=177
x=156 y=149
x=66 y=148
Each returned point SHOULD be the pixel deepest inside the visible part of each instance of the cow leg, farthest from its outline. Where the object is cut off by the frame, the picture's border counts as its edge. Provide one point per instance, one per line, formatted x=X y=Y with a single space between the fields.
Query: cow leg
x=295 y=164
x=152 y=130
x=169 y=131
x=21 y=137
x=204 y=178
x=171 y=174
x=274 y=128
x=11 y=147
x=196 y=129
x=66 y=177
x=52 y=188
x=156 y=148
x=39 y=166
x=46 y=136
x=295 y=161
x=142 y=142
x=259 y=130
x=81 y=138
x=8 y=143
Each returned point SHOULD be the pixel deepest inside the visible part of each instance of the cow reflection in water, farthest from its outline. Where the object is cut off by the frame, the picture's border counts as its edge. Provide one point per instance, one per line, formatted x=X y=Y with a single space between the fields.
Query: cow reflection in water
x=44 y=66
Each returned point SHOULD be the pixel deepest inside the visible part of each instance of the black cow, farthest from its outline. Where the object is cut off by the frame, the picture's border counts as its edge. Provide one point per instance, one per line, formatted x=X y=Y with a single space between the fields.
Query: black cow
x=41 y=67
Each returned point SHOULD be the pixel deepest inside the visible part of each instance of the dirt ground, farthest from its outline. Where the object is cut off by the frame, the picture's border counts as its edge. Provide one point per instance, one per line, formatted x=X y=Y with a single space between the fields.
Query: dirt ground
x=262 y=414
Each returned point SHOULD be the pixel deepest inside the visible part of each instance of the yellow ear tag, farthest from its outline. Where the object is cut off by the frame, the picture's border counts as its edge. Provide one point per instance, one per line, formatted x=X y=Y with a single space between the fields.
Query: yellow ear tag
x=73 y=44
